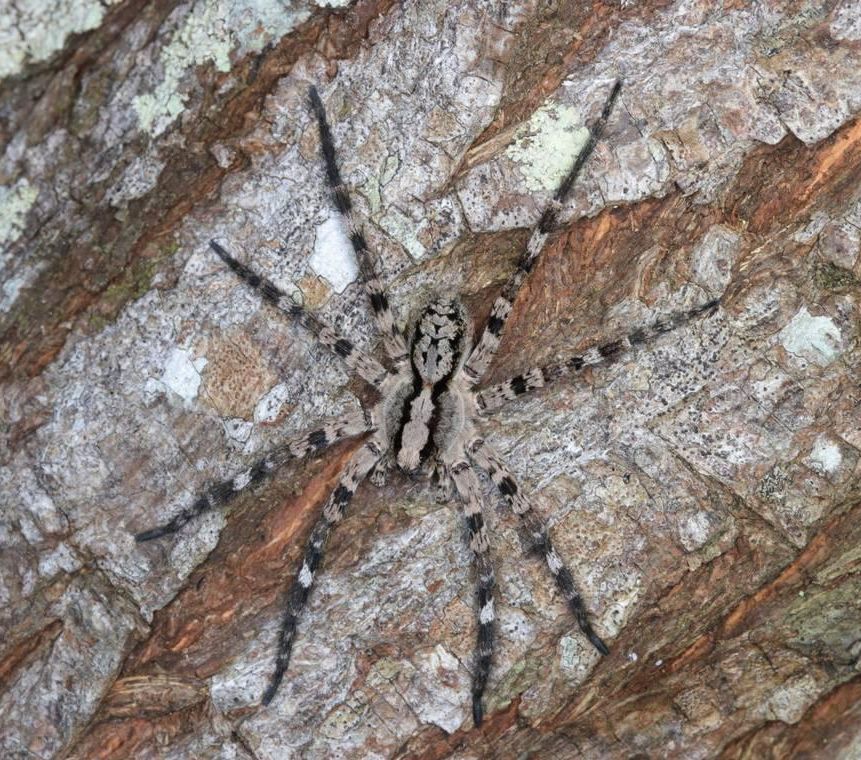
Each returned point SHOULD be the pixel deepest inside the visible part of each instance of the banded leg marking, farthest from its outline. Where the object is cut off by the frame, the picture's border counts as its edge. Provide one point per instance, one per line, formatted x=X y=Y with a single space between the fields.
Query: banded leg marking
x=368 y=368
x=489 y=461
x=393 y=339
x=486 y=348
x=357 y=469
x=468 y=487
x=299 y=446
x=495 y=396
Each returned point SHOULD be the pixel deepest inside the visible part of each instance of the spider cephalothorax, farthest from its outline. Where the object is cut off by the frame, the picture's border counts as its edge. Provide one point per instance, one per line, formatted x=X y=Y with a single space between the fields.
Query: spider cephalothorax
x=428 y=415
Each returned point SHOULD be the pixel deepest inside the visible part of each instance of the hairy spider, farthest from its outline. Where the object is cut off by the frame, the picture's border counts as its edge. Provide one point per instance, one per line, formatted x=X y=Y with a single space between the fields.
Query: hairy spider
x=426 y=420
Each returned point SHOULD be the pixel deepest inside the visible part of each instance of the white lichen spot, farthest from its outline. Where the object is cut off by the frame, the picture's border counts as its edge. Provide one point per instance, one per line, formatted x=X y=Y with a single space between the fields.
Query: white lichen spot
x=546 y=145
x=269 y=407
x=13 y=286
x=825 y=456
x=814 y=338
x=15 y=201
x=182 y=374
x=695 y=531
x=32 y=32
x=333 y=257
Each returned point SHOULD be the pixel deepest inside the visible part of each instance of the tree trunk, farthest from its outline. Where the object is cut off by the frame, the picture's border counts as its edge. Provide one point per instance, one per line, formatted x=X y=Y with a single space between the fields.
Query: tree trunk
x=704 y=489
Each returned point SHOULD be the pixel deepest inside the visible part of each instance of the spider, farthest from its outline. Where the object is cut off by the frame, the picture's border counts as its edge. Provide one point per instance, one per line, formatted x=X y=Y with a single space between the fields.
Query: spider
x=426 y=421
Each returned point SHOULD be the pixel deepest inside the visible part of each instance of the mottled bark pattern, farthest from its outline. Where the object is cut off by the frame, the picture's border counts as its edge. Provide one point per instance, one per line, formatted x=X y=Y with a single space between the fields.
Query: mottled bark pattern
x=704 y=487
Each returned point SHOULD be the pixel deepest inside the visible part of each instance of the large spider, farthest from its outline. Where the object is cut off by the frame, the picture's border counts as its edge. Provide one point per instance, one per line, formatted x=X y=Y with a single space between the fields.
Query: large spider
x=426 y=418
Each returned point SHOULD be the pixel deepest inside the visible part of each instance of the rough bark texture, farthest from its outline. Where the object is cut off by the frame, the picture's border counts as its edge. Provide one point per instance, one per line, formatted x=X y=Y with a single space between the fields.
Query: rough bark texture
x=706 y=490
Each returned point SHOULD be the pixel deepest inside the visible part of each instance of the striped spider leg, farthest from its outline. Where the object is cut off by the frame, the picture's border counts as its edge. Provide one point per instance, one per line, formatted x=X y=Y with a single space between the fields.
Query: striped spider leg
x=488 y=460
x=394 y=342
x=469 y=489
x=366 y=458
x=365 y=366
x=360 y=464
x=493 y=397
x=301 y=446
x=393 y=339
x=484 y=351
x=483 y=456
x=329 y=432
x=474 y=368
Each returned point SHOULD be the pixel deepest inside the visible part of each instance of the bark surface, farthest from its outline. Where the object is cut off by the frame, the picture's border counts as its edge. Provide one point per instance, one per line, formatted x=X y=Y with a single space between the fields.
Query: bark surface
x=706 y=490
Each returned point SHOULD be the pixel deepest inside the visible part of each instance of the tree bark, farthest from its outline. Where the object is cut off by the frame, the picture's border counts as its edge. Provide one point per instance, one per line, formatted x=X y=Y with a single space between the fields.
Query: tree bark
x=704 y=489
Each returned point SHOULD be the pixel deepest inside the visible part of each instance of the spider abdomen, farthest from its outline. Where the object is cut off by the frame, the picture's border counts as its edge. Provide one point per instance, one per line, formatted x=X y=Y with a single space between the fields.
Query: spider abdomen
x=437 y=350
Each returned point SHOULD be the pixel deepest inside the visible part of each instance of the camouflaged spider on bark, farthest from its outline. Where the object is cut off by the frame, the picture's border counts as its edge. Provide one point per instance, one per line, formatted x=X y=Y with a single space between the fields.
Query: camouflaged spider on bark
x=427 y=419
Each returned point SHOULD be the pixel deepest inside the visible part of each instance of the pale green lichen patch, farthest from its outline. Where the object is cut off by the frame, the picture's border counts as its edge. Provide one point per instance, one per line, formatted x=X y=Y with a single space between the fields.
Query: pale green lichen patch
x=403 y=229
x=546 y=144
x=208 y=34
x=371 y=191
x=390 y=168
x=32 y=32
x=15 y=202
x=816 y=339
x=203 y=37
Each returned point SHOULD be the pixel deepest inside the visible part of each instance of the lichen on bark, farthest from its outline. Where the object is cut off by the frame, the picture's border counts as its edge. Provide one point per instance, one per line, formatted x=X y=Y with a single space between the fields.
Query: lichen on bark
x=705 y=489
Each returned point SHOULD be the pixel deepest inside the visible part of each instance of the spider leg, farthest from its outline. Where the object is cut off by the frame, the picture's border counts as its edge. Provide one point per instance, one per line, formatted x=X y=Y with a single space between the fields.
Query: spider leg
x=469 y=489
x=495 y=396
x=393 y=339
x=489 y=461
x=441 y=478
x=380 y=474
x=360 y=464
x=299 y=446
x=484 y=351
x=368 y=368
